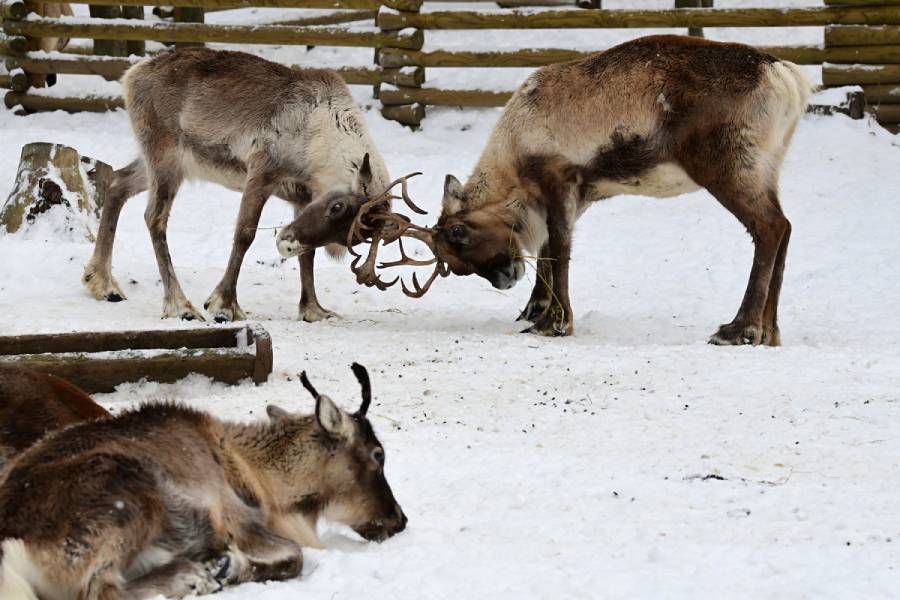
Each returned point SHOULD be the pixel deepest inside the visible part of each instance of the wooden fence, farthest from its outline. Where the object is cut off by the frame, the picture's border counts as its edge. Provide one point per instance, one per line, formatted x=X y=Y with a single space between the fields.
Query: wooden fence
x=861 y=43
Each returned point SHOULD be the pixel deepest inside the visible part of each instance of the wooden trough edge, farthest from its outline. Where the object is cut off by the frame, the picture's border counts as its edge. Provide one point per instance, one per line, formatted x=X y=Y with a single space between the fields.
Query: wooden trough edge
x=218 y=353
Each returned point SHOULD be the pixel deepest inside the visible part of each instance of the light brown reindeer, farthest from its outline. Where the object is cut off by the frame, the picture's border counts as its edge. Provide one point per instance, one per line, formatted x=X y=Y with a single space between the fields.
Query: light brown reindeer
x=169 y=500
x=253 y=126
x=33 y=404
x=656 y=116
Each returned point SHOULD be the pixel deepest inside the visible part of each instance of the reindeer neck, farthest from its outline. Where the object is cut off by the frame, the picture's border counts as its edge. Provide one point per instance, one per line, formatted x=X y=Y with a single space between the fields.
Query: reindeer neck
x=266 y=450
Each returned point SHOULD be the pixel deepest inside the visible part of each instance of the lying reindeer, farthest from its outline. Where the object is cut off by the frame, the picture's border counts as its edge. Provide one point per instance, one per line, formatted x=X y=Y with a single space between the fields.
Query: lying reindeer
x=33 y=404
x=657 y=116
x=253 y=126
x=168 y=500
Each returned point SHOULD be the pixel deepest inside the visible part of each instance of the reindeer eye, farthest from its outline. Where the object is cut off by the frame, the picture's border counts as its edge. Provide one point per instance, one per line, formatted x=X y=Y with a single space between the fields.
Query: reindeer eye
x=457 y=233
x=378 y=456
x=336 y=208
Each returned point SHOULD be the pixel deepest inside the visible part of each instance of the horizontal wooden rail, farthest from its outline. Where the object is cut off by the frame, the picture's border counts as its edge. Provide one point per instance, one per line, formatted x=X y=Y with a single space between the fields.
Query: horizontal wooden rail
x=113 y=67
x=15 y=80
x=886 y=113
x=334 y=18
x=201 y=32
x=860 y=35
x=882 y=94
x=16 y=6
x=13 y=46
x=393 y=57
x=859 y=74
x=37 y=103
x=681 y=17
x=436 y=97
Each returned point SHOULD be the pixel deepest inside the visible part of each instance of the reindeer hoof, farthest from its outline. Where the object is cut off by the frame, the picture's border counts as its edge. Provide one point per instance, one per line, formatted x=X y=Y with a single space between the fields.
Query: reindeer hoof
x=223 y=311
x=183 y=309
x=533 y=310
x=735 y=334
x=313 y=313
x=101 y=285
x=552 y=324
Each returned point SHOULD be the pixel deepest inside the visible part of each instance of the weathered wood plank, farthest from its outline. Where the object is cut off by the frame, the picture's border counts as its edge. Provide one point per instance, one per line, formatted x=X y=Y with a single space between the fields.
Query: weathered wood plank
x=114 y=67
x=104 y=341
x=682 y=17
x=859 y=2
x=201 y=32
x=886 y=113
x=436 y=97
x=102 y=375
x=859 y=74
x=861 y=35
x=409 y=114
x=38 y=103
x=882 y=94
x=395 y=57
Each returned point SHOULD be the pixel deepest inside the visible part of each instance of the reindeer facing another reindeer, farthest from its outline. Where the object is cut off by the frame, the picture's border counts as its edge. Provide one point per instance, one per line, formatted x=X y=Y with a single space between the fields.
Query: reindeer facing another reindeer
x=250 y=125
x=169 y=500
x=656 y=116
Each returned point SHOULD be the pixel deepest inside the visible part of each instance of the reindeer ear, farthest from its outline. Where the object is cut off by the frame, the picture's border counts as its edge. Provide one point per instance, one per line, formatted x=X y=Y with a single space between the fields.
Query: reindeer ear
x=453 y=195
x=363 y=176
x=332 y=419
x=277 y=413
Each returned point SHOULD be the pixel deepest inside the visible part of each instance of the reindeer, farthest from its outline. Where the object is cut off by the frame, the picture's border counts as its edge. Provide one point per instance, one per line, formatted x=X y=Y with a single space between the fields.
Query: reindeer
x=656 y=116
x=253 y=126
x=33 y=404
x=169 y=500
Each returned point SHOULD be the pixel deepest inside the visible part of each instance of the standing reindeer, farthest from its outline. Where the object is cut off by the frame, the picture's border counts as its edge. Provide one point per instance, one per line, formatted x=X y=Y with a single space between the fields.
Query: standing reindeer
x=33 y=404
x=252 y=126
x=168 y=500
x=656 y=116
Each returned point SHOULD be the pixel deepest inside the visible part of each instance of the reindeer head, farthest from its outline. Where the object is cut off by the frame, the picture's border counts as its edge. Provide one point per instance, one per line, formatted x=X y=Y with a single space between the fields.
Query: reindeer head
x=346 y=461
x=327 y=219
x=482 y=240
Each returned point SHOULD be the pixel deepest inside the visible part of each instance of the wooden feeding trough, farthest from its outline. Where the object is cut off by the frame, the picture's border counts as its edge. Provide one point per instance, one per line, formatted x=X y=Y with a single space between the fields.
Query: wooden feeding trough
x=99 y=361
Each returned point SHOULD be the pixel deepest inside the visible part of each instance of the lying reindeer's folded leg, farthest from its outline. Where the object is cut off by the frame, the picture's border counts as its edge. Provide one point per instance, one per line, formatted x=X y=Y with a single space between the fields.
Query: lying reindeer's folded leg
x=261 y=555
x=176 y=579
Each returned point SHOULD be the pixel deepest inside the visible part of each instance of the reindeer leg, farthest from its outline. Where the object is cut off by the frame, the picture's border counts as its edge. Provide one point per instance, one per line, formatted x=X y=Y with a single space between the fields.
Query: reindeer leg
x=761 y=215
x=258 y=554
x=176 y=579
x=97 y=277
x=542 y=291
x=222 y=303
x=164 y=184
x=310 y=309
x=557 y=319
x=771 y=334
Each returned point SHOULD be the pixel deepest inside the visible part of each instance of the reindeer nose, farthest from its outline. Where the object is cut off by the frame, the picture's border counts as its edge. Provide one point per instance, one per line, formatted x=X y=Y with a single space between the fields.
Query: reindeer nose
x=401 y=517
x=287 y=245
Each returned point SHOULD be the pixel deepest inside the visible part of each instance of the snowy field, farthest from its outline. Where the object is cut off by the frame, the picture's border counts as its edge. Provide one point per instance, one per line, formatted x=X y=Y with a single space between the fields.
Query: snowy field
x=631 y=460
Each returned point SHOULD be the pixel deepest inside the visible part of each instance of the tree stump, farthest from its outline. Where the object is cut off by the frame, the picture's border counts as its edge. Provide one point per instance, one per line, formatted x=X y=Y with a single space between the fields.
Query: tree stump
x=52 y=175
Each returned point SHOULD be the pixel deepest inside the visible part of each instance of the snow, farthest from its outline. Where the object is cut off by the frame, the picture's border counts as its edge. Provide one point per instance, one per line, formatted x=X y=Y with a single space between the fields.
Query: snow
x=631 y=460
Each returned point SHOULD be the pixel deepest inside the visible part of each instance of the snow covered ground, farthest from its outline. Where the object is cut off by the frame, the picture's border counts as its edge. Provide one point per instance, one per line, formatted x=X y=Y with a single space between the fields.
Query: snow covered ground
x=631 y=460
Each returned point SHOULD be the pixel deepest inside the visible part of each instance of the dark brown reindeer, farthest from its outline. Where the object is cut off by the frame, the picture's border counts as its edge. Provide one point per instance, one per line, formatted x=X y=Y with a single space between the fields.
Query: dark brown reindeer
x=253 y=126
x=657 y=116
x=33 y=404
x=168 y=500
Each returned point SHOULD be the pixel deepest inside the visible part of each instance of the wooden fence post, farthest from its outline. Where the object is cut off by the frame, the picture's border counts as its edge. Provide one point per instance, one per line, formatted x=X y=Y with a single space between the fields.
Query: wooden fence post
x=136 y=47
x=403 y=78
x=188 y=15
x=852 y=50
x=107 y=47
x=694 y=31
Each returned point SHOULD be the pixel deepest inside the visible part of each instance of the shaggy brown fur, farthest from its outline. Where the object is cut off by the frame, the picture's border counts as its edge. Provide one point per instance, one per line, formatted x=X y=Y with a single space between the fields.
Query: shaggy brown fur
x=657 y=116
x=169 y=500
x=33 y=404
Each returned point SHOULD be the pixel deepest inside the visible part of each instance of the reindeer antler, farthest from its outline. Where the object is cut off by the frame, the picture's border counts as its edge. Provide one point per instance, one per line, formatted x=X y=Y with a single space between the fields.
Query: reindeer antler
x=376 y=224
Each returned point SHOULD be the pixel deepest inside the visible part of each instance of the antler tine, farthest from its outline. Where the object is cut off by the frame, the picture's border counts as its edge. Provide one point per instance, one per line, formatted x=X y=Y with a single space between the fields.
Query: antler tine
x=406 y=260
x=365 y=273
x=420 y=290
